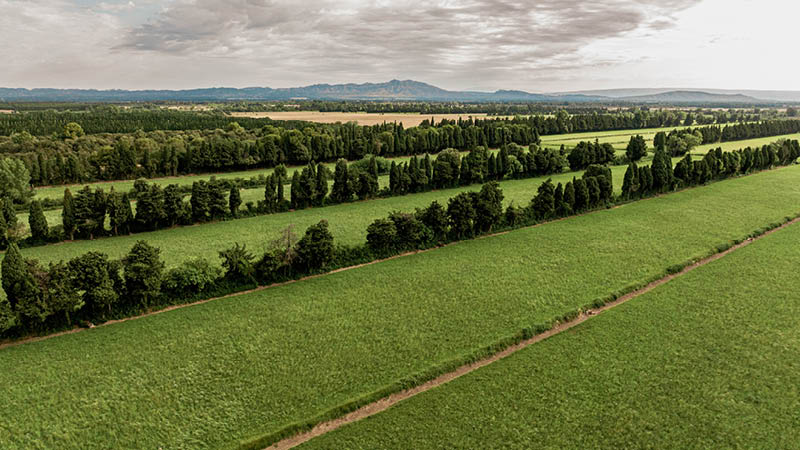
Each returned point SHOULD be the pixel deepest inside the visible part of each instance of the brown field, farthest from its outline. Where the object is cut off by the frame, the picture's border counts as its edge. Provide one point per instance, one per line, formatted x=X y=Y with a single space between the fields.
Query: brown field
x=408 y=120
x=6 y=111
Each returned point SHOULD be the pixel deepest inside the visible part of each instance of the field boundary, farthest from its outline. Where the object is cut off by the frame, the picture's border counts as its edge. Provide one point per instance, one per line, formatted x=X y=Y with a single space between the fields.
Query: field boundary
x=620 y=203
x=298 y=433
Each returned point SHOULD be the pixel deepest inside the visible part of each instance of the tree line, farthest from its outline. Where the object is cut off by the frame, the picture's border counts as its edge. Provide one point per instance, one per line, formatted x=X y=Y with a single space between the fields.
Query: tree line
x=93 y=288
x=85 y=213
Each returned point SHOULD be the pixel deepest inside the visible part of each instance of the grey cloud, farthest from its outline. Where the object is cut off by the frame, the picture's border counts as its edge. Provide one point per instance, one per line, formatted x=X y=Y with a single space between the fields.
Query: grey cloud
x=373 y=39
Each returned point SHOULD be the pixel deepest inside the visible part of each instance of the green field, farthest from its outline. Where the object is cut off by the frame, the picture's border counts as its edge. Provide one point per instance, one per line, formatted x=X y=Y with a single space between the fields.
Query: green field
x=617 y=138
x=348 y=223
x=709 y=360
x=736 y=145
x=204 y=376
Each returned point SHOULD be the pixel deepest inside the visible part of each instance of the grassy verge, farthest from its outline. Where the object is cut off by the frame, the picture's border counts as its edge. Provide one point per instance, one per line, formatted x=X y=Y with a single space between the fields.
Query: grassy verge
x=269 y=363
x=709 y=360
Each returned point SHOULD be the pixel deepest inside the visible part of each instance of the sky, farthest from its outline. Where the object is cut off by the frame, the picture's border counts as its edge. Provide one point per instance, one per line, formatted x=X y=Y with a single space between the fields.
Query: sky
x=536 y=46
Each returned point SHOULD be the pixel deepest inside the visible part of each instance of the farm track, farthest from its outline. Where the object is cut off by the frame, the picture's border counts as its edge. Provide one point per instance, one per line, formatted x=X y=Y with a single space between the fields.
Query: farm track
x=387 y=402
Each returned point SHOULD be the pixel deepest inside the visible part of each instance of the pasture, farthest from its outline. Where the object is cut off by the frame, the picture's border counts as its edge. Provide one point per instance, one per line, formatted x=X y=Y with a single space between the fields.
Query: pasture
x=209 y=375
x=710 y=359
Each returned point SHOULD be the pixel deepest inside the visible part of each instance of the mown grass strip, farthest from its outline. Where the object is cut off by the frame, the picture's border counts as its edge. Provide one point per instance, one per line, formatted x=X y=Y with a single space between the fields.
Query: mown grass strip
x=709 y=360
x=253 y=365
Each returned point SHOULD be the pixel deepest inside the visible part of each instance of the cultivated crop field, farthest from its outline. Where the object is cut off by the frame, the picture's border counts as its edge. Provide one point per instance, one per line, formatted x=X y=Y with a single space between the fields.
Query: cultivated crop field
x=209 y=375
x=710 y=359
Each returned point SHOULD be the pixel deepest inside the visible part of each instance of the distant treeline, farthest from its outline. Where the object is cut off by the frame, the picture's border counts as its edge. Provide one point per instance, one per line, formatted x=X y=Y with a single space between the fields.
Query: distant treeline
x=115 y=119
x=93 y=288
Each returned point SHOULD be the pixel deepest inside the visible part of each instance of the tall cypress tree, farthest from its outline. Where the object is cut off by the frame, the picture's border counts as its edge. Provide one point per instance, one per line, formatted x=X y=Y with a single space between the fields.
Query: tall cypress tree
x=68 y=215
x=569 y=195
x=234 y=200
x=321 y=190
x=38 y=222
x=661 y=169
x=341 y=183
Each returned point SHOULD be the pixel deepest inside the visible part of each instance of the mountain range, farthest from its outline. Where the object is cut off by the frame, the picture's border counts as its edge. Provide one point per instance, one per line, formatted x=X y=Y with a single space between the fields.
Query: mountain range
x=407 y=90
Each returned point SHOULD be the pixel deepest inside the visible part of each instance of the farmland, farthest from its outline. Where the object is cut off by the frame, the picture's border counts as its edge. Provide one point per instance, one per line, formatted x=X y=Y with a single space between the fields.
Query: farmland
x=407 y=119
x=348 y=223
x=249 y=365
x=696 y=362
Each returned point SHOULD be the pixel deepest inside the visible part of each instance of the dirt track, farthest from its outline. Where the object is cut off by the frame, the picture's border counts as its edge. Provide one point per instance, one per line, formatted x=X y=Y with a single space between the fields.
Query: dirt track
x=387 y=402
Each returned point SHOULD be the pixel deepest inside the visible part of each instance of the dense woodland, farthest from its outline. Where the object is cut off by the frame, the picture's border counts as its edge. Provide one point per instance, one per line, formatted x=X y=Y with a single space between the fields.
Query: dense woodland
x=74 y=156
x=92 y=288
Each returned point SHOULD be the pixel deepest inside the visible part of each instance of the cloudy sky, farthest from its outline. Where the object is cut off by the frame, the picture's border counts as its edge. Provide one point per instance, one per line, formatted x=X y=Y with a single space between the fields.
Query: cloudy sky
x=542 y=45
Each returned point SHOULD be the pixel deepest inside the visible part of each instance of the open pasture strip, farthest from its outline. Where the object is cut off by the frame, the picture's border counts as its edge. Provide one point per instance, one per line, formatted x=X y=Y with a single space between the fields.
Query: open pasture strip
x=710 y=359
x=362 y=118
x=259 y=367
x=57 y=192
x=701 y=150
x=348 y=222
x=615 y=137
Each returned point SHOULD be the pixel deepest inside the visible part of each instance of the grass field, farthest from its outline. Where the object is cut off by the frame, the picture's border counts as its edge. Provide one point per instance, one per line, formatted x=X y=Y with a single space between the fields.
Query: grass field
x=206 y=375
x=348 y=223
x=696 y=363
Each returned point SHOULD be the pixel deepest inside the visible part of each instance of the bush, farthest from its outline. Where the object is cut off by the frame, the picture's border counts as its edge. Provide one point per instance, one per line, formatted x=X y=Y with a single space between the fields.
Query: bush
x=190 y=278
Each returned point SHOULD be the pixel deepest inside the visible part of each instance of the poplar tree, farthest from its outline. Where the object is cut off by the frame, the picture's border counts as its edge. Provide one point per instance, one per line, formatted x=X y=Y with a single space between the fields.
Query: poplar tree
x=341 y=183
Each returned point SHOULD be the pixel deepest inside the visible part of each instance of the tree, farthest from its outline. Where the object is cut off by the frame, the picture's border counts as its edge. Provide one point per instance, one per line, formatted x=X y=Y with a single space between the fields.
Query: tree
x=435 y=218
x=95 y=276
x=200 y=201
x=14 y=273
x=569 y=196
x=72 y=130
x=603 y=176
x=543 y=204
x=582 y=199
x=68 y=215
x=488 y=206
x=461 y=212
x=14 y=180
x=661 y=169
x=62 y=294
x=143 y=273
x=321 y=185
x=342 y=191
x=150 y=209
x=234 y=200
x=217 y=203
x=173 y=204
x=238 y=264
x=38 y=222
x=660 y=140
x=381 y=236
x=630 y=184
x=446 y=168
x=315 y=249
x=271 y=194
x=637 y=148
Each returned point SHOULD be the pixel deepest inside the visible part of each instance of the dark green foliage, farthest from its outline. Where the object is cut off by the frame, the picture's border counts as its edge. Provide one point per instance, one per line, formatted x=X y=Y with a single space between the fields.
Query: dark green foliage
x=151 y=212
x=190 y=278
x=582 y=199
x=9 y=213
x=238 y=264
x=630 y=184
x=435 y=218
x=342 y=191
x=15 y=277
x=315 y=249
x=321 y=186
x=173 y=205
x=217 y=203
x=637 y=148
x=604 y=180
x=37 y=222
x=660 y=141
x=488 y=207
x=411 y=233
x=68 y=215
x=661 y=169
x=382 y=236
x=143 y=274
x=569 y=195
x=98 y=279
x=446 y=169
x=587 y=153
x=544 y=205
x=234 y=200
x=461 y=214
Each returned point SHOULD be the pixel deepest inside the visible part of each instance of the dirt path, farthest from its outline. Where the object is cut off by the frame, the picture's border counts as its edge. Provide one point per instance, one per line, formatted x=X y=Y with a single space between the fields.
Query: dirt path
x=387 y=402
